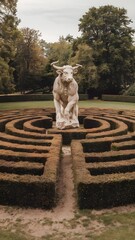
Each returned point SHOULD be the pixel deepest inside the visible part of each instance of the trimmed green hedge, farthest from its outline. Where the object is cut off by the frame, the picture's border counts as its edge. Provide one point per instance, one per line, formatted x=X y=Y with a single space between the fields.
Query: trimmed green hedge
x=118 y=98
x=26 y=97
x=33 y=97
x=29 y=159
x=103 y=179
x=34 y=187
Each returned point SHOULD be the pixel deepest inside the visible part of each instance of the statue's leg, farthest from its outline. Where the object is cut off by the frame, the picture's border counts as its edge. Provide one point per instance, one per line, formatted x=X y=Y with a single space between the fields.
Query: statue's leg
x=59 y=115
x=68 y=113
x=71 y=114
x=75 y=122
x=69 y=107
x=57 y=108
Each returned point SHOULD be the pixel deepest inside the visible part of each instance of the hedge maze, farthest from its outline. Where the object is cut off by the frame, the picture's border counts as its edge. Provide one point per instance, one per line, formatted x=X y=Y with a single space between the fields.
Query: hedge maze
x=104 y=162
x=103 y=155
x=29 y=159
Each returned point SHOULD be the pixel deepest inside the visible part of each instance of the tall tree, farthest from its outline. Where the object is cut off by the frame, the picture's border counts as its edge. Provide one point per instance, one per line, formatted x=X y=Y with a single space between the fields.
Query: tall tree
x=87 y=77
x=8 y=37
x=106 y=29
x=30 y=59
x=60 y=51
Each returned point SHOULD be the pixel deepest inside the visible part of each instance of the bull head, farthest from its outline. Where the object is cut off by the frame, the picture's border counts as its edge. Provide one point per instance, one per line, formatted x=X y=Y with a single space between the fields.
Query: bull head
x=60 y=69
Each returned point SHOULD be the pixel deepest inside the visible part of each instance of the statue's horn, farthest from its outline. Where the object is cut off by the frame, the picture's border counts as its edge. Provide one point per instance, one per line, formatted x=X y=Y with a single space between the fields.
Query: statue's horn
x=56 y=67
x=77 y=66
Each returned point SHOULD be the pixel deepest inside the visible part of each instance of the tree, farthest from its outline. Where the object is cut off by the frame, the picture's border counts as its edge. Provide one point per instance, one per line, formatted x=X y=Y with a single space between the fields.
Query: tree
x=8 y=37
x=87 y=77
x=30 y=59
x=106 y=29
x=69 y=38
x=60 y=50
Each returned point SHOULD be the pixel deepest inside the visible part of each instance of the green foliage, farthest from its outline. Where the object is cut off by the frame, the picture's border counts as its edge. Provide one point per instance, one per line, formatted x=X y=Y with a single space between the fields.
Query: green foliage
x=6 y=85
x=30 y=59
x=8 y=37
x=60 y=50
x=130 y=91
x=106 y=30
x=87 y=77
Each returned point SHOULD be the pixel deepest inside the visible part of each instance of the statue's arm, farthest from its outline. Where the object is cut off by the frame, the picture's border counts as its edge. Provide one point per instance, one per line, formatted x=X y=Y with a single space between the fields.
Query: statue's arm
x=57 y=86
x=73 y=88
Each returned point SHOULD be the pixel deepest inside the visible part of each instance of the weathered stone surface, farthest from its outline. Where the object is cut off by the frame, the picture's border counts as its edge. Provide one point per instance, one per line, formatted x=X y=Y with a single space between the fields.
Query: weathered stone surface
x=65 y=92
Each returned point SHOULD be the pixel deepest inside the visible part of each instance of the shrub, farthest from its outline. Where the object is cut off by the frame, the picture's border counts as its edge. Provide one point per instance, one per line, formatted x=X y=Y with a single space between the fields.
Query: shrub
x=130 y=91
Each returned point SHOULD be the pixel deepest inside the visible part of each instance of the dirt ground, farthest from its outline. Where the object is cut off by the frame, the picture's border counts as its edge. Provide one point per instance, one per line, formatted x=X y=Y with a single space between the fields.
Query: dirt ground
x=63 y=222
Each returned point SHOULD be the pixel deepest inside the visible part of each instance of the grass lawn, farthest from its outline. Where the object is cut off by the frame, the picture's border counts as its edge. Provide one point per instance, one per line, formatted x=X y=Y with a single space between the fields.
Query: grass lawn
x=86 y=103
x=9 y=235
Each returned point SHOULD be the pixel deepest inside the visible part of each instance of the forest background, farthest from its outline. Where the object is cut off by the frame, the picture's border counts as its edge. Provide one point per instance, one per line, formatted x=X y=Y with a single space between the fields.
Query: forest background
x=105 y=49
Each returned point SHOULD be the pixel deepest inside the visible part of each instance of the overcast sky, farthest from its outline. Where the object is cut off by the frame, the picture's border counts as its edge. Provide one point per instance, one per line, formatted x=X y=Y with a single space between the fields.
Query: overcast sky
x=54 y=18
